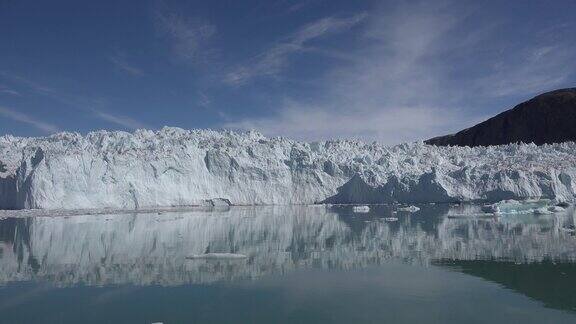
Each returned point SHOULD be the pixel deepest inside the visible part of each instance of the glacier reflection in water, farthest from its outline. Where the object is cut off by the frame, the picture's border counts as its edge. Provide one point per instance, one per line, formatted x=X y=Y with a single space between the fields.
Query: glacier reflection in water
x=152 y=248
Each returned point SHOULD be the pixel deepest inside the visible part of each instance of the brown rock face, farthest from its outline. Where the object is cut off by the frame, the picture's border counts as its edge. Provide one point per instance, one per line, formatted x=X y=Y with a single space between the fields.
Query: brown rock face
x=547 y=118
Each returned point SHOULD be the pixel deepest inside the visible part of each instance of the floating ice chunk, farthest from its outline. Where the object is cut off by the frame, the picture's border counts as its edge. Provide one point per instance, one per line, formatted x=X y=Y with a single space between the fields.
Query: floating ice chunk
x=216 y=202
x=556 y=209
x=511 y=206
x=542 y=211
x=214 y=256
x=569 y=228
x=361 y=209
x=410 y=209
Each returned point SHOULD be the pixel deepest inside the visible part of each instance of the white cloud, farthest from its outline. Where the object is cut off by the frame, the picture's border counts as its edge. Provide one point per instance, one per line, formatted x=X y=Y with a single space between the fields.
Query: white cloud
x=401 y=84
x=300 y=5
x=81 y=103
x=531 y=70
x=273 y=61
x=9 y=91
x=24 y=118
x=187 y=36
x=389 y=126
x=120 y=62
x=386 y=93
x=123 y=121
x=203 y=100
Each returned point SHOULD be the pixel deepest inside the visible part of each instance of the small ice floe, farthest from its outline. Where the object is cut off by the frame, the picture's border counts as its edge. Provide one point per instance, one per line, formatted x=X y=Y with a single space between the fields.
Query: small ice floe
x=473 y=215
x=390 y=219
x=569 y=229
x=542 y=211
x=217 y=256
x=540 y=207
x=216 y=202
x=361 y=209
x=410 y=209
x=556 y=209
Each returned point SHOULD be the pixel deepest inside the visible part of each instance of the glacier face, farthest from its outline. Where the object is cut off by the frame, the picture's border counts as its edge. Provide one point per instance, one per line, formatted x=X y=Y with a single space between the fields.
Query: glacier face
x=176 y=167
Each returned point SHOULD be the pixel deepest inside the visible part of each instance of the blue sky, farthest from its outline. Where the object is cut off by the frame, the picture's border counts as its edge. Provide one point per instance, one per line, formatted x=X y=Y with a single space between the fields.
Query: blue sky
x=390 y=71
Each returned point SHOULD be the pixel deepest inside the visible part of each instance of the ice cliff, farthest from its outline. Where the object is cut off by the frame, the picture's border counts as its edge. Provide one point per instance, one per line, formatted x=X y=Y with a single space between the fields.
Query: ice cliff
x=176 y=167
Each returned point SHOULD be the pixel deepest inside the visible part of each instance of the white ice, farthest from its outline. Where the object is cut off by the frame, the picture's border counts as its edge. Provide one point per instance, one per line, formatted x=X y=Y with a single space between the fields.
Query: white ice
x=541 y=206
x=176 y=167
x=410 y=209
x=361 y=209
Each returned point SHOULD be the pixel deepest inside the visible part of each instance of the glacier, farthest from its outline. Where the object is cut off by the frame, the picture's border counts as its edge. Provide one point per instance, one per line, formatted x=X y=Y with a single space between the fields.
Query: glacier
x=177 y=167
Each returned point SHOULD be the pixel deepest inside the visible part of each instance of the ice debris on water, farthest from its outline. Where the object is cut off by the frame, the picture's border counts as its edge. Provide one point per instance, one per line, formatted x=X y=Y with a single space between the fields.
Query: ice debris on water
x=556 y=209
x=569 y=229
x=510 y=206
x=215 y=256
x=361 y=209
x=410 y=209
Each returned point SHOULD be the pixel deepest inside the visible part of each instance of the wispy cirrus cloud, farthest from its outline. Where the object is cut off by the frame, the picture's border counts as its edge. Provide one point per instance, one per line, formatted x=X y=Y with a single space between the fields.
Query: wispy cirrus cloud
x=27 y=119
x=273 y=61
x=120 y=62
x=404 y=82
x=300 y=5
x=92 y=106
x=389 y=126
x=9 y=91
x=187 y=37
x=120 y=120
x=387 y=92
x=539 y=68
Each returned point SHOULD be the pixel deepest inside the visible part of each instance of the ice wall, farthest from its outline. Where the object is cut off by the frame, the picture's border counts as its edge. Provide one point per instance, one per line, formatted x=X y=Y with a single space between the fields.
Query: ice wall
x=175 y=167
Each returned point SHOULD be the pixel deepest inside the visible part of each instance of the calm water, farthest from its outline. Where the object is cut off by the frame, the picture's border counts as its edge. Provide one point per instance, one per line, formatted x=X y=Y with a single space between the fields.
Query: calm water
x=302 y=265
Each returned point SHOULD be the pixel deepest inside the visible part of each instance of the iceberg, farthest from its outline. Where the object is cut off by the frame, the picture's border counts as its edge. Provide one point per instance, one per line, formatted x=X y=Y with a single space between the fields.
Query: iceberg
x=410 y=209
x=173 y=167
x=541 y=207
x=361 y=209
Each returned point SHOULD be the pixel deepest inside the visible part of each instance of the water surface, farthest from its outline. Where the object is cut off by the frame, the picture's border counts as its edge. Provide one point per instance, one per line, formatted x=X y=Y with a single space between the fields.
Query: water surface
x=301 y=265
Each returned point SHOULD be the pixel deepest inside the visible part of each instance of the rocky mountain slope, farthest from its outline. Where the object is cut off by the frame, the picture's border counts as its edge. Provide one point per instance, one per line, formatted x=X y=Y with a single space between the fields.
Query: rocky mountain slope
x=547 y=118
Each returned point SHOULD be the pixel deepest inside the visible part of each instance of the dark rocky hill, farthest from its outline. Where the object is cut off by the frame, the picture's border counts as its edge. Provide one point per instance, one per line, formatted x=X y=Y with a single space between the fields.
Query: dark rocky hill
x=547 y=118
